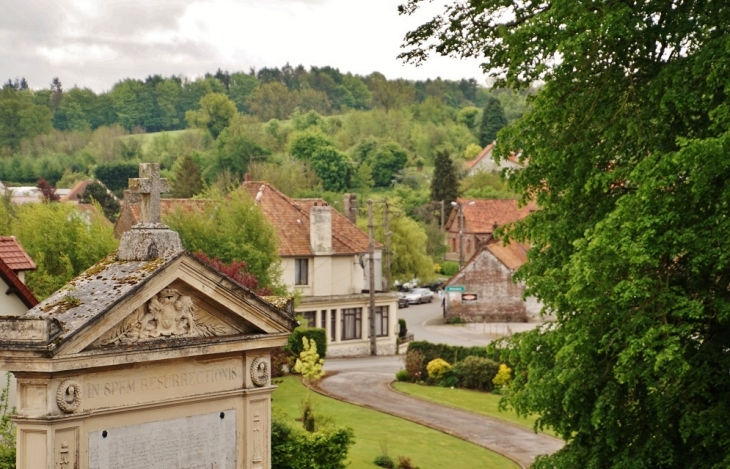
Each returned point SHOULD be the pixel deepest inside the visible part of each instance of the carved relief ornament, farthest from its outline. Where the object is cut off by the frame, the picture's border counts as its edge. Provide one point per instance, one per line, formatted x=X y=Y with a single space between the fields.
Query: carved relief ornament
x=167 y=314
x=68 y=396
x=260 y=371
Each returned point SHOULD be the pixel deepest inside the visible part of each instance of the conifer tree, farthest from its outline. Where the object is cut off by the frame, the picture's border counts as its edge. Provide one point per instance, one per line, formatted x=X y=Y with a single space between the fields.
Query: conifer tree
x=445 y=184
x=188 y=180
x=493 y=120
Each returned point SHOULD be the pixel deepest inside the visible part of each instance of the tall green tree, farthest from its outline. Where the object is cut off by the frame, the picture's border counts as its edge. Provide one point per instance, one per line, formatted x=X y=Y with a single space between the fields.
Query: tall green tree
x=232 y=229
x=445 y=182
x=188 y=179
x=62 y=241
x=215 y=114
x=626 y=143
x=333 y=168
x=493 y=120
x=96 y=192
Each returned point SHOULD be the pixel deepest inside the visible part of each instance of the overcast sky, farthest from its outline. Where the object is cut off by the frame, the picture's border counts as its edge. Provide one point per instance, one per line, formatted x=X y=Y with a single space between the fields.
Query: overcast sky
x=95 y=43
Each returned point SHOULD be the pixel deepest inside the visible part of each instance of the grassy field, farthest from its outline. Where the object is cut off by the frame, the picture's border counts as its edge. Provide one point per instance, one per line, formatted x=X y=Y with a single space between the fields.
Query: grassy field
x=427 y=448
x=146 y=139
x=474 y=401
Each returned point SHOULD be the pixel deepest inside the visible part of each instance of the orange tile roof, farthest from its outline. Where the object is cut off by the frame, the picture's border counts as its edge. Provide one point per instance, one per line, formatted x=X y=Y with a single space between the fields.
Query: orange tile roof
x=290 y=218
x=513 y=255
x=14 y=255
x=16 y=286
x=76 y=191
x=480 y=215
x=485 y=151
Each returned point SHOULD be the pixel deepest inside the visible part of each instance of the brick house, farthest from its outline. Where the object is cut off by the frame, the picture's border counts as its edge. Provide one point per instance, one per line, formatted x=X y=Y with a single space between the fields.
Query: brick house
x=490 y=294
x=480 y=218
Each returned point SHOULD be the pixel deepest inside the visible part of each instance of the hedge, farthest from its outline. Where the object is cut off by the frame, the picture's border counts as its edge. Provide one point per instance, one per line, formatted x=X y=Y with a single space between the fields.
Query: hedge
x=295 y=345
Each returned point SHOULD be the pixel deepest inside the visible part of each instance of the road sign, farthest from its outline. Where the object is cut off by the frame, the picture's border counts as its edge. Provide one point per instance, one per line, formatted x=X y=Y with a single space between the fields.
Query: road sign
x=455 y=288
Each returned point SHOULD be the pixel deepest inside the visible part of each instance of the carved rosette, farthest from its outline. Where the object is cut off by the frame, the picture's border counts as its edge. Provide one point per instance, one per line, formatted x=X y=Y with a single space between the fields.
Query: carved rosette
x=260 y=371
x=68 y=396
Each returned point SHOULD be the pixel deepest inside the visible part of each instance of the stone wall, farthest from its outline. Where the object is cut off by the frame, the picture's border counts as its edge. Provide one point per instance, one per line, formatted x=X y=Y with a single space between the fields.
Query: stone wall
x=359 y=349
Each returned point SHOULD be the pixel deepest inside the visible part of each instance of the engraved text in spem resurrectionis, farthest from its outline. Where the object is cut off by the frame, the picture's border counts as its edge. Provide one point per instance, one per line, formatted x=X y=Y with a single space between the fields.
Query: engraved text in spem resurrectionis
x=155 y=383
x=198 y=442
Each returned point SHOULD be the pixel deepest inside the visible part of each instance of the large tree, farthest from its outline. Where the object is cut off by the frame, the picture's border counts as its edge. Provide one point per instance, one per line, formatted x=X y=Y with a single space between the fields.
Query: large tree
x=445 y=183
x=215 y=113
x=493 y=121
x=627 y=145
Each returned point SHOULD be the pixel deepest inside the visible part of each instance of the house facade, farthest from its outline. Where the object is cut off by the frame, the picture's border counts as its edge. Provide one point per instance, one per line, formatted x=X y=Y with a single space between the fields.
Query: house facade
x=473 y=221
x=484 y=161
x=324 y=257
x=17 y=298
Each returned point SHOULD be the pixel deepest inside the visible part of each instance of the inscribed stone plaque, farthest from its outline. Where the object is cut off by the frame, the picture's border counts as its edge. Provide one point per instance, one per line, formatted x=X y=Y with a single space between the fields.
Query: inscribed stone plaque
x=205 y=441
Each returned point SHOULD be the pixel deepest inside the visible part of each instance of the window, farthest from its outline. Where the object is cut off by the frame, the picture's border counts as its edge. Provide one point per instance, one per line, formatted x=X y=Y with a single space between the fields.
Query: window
x=333 y=325
x=323 y=319
x=301 y=271
x=351 y=323
x=381 y=322
x=310 y=318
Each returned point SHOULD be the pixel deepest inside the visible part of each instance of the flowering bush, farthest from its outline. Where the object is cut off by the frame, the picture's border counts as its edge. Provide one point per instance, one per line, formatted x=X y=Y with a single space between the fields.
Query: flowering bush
x=503 y=377
x=436 y=368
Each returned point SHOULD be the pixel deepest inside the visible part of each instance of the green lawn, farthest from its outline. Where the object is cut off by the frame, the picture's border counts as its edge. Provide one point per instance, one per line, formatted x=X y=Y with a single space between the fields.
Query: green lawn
x=147 y=138
x=474 y=401
x=427 y=448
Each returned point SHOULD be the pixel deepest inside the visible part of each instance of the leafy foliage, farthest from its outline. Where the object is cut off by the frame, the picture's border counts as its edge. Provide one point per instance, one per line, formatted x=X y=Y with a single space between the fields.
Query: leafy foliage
x=309 y=364
x=629 y=245
x=436 y=368
x=61 y=240
x=7 y=429
x=116 y=176
x=215 y=113
x=232 y=229
x=238 y=271
x=295 y=343
x=188 y=180
x=96 y=192
x=475 y=372
x=293 y=448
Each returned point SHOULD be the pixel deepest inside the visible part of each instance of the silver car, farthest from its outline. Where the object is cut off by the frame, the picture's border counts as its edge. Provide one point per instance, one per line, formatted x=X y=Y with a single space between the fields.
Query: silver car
x=419 y=295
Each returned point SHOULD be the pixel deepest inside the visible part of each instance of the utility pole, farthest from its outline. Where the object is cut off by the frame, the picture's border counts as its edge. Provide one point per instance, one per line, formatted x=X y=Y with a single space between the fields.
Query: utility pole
x=371 y=287
x=461 y=236
x=386 y=223
x=442 y=215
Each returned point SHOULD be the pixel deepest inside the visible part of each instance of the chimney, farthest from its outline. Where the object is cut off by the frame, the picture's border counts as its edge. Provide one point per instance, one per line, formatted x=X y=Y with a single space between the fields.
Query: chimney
x=247 y=177
x=350 y=207
x=320 y=229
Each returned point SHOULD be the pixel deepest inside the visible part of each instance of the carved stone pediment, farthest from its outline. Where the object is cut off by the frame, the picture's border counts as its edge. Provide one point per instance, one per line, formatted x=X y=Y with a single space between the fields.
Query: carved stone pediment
x=168 y=314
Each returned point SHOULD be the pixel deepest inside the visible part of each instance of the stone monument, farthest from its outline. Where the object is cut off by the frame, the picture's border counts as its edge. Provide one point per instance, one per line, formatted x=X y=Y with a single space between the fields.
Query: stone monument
x=149 y=359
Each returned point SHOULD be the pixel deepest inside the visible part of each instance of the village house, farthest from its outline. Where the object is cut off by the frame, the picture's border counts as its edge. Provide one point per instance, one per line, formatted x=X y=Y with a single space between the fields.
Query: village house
x=472 y=223
x=484 y=291
x=484 y=161
x=18 y=299
x=324 y=257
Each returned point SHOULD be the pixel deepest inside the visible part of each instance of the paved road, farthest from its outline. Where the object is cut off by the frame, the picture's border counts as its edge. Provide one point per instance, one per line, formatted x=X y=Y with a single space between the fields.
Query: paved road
x=365 y=381
x=370 y=389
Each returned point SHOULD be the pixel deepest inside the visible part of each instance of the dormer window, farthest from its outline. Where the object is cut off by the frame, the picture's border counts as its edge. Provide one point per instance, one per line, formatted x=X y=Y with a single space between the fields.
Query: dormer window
x=301 y=271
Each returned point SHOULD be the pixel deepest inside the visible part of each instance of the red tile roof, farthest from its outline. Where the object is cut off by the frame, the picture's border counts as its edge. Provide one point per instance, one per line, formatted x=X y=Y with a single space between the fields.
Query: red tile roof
x=130 y=213
x=480 y=215
x=513 y=255
x=13 y=255
x=290 y=218
x=485 y=151
x=16 y=286
x=76 y=191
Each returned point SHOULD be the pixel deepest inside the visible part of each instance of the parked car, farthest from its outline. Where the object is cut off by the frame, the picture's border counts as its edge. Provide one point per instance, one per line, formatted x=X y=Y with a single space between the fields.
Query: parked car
x=419 y=295
x=402 y=300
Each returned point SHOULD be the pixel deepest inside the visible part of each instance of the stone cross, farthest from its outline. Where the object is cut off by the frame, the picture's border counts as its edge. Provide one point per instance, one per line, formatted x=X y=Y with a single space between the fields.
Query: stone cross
x=149 y=185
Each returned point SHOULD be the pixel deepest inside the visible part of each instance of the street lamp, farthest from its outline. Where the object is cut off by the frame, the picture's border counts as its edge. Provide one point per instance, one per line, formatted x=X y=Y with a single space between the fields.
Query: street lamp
x=461 y=231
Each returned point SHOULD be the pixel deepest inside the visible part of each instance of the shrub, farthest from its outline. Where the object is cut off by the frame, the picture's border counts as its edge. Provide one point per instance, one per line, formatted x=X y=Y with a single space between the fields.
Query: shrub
x=384 y=461
x=293 y=448
x=309 y=364
x=449 y=379
x=405 y=463
x=414 y=364
x=403 y=376
x=449 y=353
x=7 y=429
x=449 y=268
x=279 y=358
x=436 y=368
x=294 y=346
x=402 y=329
x=503 y=377
x=476 y=373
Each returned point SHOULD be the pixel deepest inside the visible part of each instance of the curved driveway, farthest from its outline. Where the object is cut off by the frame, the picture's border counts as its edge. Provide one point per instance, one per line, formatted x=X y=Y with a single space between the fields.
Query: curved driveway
x=365 y=381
